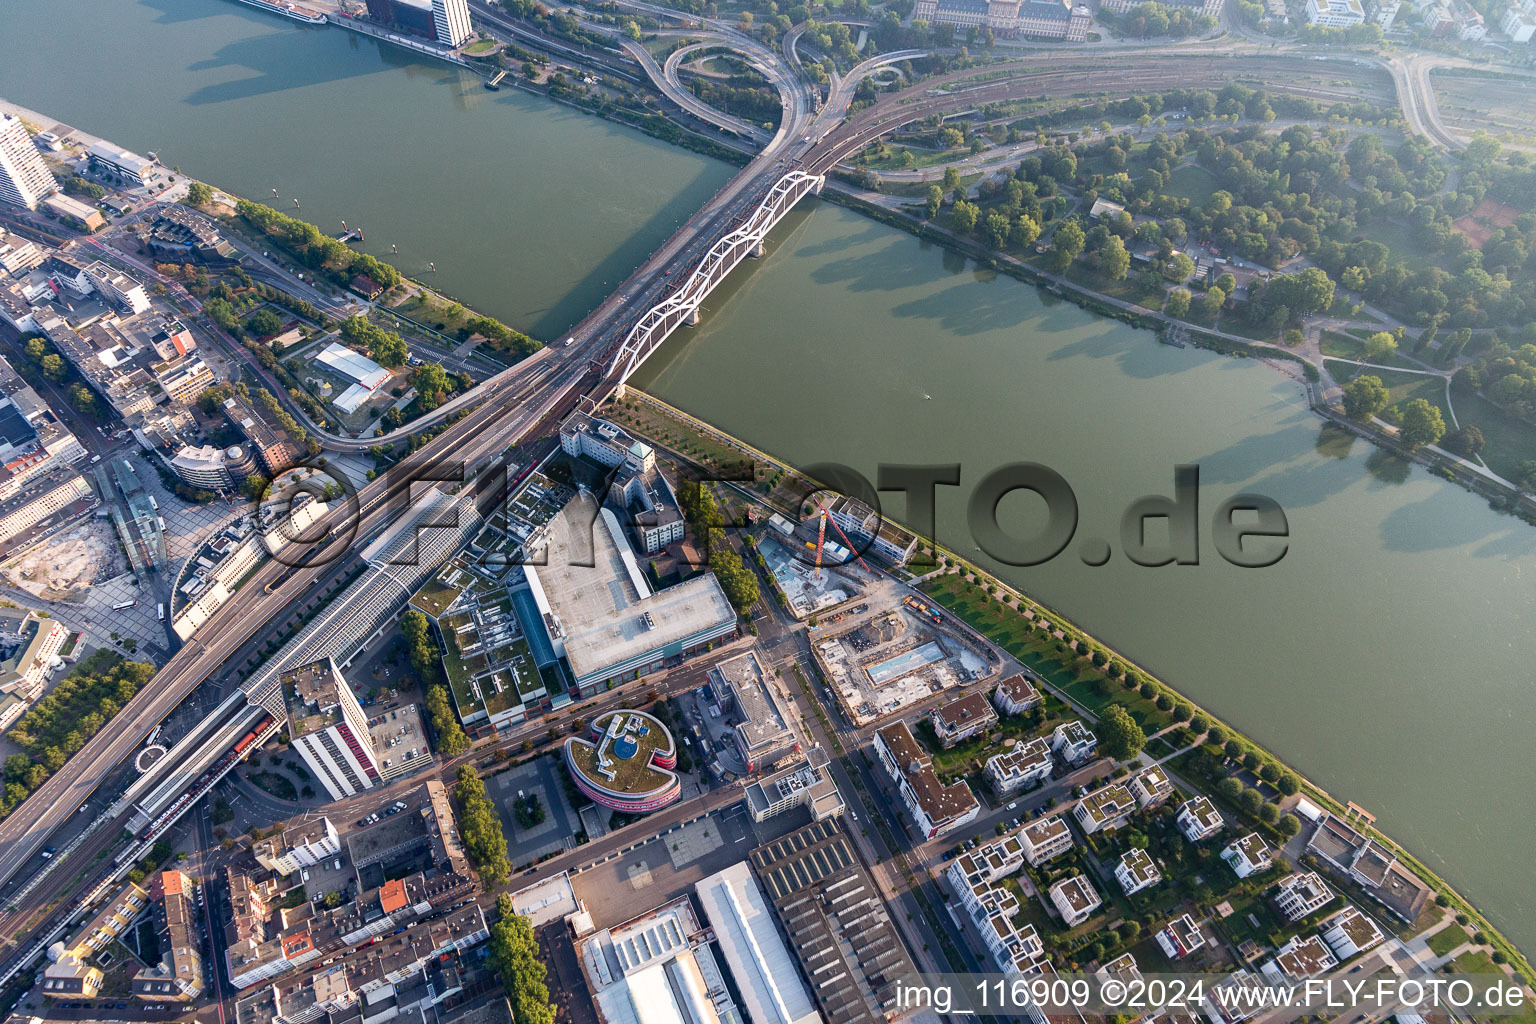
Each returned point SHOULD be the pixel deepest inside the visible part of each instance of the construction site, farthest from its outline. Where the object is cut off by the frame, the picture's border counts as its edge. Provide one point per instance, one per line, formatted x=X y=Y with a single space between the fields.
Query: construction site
x=69 y=563
x=896 y=654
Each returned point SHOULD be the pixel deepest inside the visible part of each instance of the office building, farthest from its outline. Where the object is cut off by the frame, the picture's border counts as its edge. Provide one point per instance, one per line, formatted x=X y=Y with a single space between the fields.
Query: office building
x=804 y=783
x=759 y=729
x=329 y=729
x=637 y=486
x=24 y=177
x=603 y=617
x=129 y=167
x=450 y=19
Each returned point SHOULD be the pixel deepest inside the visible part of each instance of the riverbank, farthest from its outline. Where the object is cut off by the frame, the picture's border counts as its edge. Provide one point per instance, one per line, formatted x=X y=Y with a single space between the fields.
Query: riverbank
x=714 y=450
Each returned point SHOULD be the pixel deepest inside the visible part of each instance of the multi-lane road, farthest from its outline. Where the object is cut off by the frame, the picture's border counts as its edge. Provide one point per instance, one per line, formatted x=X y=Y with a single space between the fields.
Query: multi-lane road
x=503 y=410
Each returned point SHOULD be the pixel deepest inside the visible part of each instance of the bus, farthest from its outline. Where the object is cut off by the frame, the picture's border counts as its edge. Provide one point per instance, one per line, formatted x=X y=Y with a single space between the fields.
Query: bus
x=160 y=609
x=123 y=604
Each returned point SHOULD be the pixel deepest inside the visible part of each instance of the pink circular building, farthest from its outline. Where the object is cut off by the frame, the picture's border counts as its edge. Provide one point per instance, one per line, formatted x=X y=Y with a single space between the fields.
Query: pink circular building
x=627 y=762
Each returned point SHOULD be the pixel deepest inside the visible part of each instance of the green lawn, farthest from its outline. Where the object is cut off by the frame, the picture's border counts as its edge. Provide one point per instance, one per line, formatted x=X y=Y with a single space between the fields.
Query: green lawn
x=1128 y=289
x=1404 y=387
x=1510 y=441
x=1192 y=182
x=1447 y=939
x=1399 y=238
x=1343 y=346
x=1007 y=628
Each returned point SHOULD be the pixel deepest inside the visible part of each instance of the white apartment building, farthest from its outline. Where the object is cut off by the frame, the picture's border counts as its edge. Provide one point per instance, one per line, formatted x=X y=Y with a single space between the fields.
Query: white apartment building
x=1027 y=764
x=1300 y=894
x=451 y=18
x=1136 y=871
x=1073 y=742
x=1335 y=13
x=1180 y=937
x=1199 y=819
x=1518 y=24
x=118 y=288
x=1045 y=839
x=1075 y=899
x=1150 y=786
x=1106 y=808
x=24 y=178
x=1384 y=12
x=1350 y=932
x=1249 y=855
x=299 y=847
x=1015 y=695
x=1301 y=958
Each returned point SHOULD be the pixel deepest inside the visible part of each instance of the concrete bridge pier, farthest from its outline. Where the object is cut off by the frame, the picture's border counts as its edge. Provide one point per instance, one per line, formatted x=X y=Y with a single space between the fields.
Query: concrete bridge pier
x=693 y=317
x=757 y=252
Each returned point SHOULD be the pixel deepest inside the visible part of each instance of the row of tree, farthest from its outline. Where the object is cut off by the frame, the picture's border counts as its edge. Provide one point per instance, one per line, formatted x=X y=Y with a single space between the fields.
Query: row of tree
x=315 y=248
x=62 y=722
x=737 y=580
x=426 y=662
x=480 y=828
x=515 y=954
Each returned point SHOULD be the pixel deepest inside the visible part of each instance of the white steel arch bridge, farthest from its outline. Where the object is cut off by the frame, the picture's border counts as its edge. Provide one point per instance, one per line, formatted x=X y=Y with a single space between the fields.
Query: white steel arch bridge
x=682 y=306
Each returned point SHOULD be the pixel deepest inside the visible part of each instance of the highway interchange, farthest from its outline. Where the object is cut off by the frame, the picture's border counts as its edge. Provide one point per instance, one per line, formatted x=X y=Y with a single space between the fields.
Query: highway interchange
x=509 y=405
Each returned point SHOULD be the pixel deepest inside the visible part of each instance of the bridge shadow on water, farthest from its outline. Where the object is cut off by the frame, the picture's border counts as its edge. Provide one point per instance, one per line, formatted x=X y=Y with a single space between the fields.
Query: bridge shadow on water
x=285 y=61
x=603 y=279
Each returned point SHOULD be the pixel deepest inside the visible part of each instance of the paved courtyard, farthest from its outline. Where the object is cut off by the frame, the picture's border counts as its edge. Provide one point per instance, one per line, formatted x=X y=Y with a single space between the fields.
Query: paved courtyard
x=558 y=829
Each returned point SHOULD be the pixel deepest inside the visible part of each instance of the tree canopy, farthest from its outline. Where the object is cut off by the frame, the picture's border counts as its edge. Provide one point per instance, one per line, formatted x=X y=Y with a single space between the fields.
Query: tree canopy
x=1119 y=735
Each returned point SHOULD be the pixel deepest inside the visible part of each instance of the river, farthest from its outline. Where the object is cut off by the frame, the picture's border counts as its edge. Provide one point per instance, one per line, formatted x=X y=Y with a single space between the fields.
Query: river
x=1382 y=655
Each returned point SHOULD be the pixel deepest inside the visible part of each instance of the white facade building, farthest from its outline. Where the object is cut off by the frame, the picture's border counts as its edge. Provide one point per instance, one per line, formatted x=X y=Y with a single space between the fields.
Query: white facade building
x=1199 y=819
x=1249 y=855
x=1335 y=13
x=1300 y=894
x=1075 y=899
x=302 y=846
x=1027 y=764
x=1073 y=742
x=24 y=178
x=1136 y=871
x=1350 y=932
x=451 y=18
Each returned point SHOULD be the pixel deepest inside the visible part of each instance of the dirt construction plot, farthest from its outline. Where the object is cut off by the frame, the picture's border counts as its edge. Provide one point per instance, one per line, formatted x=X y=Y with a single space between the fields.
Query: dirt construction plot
x=63 y=567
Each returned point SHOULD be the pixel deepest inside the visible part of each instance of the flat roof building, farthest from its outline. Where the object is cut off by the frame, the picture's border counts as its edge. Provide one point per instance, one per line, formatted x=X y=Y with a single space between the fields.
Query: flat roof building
x=760 y=730
x=602 y=617
x=330 y=730
x=354 y=366
x=24 y=177
x=806 y=783
x=129 y=166
x=772 y=990
x=836 y=922
x=656 y=969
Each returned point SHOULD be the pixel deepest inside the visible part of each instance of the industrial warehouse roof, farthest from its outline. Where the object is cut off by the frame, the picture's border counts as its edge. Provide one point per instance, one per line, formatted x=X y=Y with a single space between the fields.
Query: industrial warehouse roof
x=353 y=366
x=762 y=965
x=603 y=614
x=836 y=922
